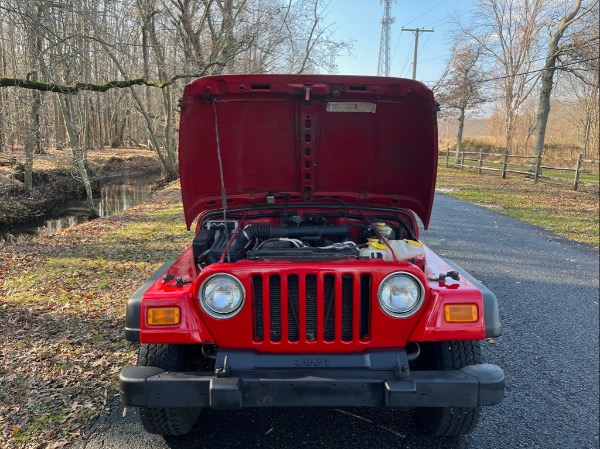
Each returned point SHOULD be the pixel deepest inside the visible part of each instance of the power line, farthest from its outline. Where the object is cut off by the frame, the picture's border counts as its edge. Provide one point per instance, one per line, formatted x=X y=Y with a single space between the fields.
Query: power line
x=537 y=70
x=524 y=73
x=425 y=13
x=432 y=59
x=396 y=47
x=417 y=31
x=422 y=49
x=415 y=19
x=437 y=22
x=405 y=65
x=586 y=45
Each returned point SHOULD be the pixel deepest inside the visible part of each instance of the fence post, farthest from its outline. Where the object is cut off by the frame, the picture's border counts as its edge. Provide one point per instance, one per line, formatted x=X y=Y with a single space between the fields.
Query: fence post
x=577 y=171
x=480 y=161
x=462 y=160
x=538 y=163
x=447 y=155
x=505 y=163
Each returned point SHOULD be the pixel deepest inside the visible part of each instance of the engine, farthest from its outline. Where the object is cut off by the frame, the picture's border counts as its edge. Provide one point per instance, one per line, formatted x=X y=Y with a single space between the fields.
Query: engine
x=298 y=238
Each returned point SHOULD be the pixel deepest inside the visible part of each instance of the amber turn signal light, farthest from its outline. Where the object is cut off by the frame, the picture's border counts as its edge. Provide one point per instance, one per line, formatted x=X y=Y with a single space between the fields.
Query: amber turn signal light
x=460 y=313
x=163 y=316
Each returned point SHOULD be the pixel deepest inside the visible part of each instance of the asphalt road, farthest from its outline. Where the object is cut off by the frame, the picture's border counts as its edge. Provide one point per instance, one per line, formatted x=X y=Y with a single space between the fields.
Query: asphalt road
x=547 y=289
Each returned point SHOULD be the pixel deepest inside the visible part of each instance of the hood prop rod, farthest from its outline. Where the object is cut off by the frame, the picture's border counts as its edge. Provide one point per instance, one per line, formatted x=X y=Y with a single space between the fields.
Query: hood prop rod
x=223 y=191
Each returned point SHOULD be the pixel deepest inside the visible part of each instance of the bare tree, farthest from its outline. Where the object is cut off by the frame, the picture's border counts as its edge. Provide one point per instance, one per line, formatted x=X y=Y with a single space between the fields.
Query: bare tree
x=461 y=89
x=555 y=50
x=93 y=47
x=509 y=35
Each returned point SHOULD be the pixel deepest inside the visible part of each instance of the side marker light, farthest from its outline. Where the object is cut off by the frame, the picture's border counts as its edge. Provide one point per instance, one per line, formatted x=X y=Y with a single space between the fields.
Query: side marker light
x=461 y=313
x=163 y=316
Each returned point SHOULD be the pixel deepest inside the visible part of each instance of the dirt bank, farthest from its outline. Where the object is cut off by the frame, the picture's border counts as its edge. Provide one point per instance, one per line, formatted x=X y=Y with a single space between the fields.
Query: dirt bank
x=55 y=179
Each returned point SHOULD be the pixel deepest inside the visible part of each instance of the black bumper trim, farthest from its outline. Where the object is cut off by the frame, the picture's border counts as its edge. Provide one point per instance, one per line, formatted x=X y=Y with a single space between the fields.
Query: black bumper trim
x=491 y=313
x=134 y=304
x=476 y=385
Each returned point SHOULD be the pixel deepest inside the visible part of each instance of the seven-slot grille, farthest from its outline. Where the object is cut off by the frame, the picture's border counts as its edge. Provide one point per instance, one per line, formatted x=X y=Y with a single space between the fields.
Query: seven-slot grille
x=313 y=307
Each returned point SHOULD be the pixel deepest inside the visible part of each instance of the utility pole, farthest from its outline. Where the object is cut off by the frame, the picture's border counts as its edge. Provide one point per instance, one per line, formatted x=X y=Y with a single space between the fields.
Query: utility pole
x=383 y=68
x=417 y=31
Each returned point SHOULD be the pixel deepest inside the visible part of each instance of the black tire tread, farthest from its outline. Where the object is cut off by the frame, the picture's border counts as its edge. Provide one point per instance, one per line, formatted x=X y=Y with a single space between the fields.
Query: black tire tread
x=453 y=421
x=167 y=357
x=168 y=421
x=163 y=420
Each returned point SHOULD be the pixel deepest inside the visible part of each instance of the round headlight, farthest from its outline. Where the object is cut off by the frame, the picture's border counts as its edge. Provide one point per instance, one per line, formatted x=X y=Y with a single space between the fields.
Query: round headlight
x=400 y=294
x=221 y=296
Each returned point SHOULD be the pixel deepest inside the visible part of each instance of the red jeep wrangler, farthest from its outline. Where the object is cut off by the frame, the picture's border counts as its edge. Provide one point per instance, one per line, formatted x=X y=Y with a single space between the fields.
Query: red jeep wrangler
x=306 y=283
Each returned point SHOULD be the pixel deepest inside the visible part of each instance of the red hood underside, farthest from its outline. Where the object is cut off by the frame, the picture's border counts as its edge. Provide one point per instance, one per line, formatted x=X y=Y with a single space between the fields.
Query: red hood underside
x=361 y=140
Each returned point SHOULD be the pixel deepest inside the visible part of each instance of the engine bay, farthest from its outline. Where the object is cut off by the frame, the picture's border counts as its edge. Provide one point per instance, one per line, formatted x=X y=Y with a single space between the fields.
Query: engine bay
x=306 y=236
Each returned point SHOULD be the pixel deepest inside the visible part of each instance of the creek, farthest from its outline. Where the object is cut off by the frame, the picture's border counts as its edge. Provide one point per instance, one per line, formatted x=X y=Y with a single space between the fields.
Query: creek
x=114 y=197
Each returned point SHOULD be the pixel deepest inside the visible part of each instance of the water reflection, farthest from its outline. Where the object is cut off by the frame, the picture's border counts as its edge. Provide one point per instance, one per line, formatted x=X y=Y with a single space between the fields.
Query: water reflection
x=114 y=198
x=56 y=224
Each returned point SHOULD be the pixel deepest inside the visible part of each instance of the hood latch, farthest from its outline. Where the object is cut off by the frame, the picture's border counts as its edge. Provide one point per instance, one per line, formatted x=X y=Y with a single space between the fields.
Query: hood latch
x=307 y=91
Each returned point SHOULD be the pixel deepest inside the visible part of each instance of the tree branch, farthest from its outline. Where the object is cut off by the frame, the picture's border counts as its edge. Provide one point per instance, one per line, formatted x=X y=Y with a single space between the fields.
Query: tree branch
x=77 y=87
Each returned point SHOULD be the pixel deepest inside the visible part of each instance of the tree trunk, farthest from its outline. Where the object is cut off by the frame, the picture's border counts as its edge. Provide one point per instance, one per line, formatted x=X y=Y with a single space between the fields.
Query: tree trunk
x=31 y=139
x=2 y=131
x=60 y=136
x=586 y=134
x=547 y=80
x=3 y=66
x=509 y=131
x=543 y=107
x=67 y=109
x=36 y=122
x=459 y=135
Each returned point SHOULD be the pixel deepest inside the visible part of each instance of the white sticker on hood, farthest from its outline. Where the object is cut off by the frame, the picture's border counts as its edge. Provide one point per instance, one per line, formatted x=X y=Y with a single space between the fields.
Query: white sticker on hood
x=351 y=106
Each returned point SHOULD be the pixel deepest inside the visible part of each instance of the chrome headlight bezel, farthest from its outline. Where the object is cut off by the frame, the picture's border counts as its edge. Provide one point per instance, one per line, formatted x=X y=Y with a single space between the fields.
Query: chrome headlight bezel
x=395 y=313
x=212 y=311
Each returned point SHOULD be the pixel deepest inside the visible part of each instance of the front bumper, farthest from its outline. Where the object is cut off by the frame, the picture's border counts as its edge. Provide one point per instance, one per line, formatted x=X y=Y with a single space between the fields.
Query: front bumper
x=471 y=386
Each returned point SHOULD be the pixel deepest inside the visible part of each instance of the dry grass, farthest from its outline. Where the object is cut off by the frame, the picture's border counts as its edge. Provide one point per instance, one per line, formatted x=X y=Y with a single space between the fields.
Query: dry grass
x=551 y=205
x=62 y=304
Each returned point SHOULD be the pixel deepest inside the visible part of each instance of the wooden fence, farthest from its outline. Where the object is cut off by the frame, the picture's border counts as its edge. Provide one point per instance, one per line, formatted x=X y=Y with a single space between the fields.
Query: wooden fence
x=532 y=166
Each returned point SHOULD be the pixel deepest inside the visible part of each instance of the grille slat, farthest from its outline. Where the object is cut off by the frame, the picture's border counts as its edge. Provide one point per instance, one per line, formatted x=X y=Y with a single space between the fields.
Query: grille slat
x=329 y=307
x=293 y=309
x=347 y=295
x=311 y=308
x=258 y=307
x=275 y=307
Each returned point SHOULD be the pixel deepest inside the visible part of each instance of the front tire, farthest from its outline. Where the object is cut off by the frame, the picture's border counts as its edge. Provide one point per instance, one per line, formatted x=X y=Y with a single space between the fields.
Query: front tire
x=163 y=420
x=450 y=421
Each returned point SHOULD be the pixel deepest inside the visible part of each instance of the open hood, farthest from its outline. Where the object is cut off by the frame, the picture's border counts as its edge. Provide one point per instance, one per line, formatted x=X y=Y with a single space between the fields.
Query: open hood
x=362 y=140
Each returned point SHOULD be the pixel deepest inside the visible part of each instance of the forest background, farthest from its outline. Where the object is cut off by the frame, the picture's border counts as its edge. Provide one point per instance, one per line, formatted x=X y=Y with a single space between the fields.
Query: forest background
x=90 y=74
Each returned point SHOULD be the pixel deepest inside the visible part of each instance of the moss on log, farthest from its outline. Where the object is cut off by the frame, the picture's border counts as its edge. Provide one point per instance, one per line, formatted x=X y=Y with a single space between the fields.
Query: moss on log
x=26 y=83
